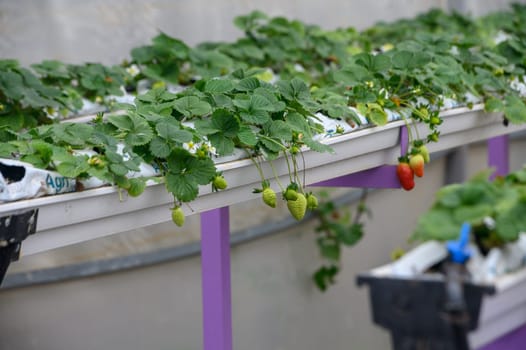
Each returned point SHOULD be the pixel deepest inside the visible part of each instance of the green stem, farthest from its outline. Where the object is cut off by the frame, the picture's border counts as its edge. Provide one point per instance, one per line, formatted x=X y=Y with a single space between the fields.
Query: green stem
x=361 y=204
x=274 y=141
x=400 y=83
x=276 y=176
x=407 y=125
x=288 y=166
x=303 y=160
x=258 y=167
x=296 y=176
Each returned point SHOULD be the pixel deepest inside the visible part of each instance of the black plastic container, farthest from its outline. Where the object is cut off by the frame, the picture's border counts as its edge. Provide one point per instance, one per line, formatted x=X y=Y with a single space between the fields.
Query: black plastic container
x=13 y=230
x=419 y=313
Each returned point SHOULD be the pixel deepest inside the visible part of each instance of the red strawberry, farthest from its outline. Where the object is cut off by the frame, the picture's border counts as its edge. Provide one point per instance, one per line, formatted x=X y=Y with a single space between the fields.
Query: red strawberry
x=416 y=162
x=405 y=175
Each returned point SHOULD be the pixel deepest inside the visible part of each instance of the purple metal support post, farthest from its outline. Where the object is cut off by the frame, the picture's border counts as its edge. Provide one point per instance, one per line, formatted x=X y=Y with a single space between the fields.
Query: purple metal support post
x=498 y=155
x=215 y=269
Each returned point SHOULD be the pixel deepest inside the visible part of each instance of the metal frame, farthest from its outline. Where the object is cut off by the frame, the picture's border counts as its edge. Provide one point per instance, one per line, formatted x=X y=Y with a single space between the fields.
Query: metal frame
x=359 y=161
x=217 y=317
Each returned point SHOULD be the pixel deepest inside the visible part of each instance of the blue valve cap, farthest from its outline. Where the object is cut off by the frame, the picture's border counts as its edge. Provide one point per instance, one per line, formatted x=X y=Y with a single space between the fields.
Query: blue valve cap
x=459 y=249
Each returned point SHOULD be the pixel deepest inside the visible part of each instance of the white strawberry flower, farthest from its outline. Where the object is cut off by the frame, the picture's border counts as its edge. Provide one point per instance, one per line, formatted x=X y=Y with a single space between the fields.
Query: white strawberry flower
x=191 y=147
x=133 y=70
x=209 y=148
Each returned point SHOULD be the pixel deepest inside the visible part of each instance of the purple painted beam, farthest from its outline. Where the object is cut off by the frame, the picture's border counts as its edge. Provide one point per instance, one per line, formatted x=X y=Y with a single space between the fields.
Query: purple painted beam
x=383 y=176
x=498 y=155
x=515 y=340
x=215 y=269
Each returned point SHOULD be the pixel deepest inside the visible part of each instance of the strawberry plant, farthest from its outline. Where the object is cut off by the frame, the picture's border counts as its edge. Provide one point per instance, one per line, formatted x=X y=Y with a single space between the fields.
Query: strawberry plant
x=263 y=94
x=24 y=99
x=96 y=80
x=336 y=229
x=162 y=60
x=494 y=209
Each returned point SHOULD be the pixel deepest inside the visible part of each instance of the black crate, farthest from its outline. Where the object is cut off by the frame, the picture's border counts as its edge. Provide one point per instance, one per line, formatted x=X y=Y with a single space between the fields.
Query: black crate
x=416 y=310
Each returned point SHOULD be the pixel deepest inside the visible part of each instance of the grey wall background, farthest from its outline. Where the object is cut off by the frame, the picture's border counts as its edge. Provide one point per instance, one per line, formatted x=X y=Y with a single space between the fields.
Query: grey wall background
x=275 y=305
x=105 y=31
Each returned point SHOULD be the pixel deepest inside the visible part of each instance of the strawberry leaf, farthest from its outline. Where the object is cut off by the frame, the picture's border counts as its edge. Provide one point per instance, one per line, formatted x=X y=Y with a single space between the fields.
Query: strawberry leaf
x=514 y=109
x=73 y=167
x=247 y=136
x=297 y=122
x=409 y=60
x=201 y=171
x=273 y=145
x=219 y=86
x=223 y=144
x=329 y=248
x=352 y=75
x=374 y=63
x=281 y=130
x=191 y=106
x=72 y=133
x=159 y=148
x=220 y=128
x=317 y=146
x=248 y=84
x=186 y=173
x=140 y=133
x=255 y=116
x=118 y=169
x=493 y=104
x=122 y=122
x=172 y=132
x=511 y=222
x=224 y=122
x=376 y=114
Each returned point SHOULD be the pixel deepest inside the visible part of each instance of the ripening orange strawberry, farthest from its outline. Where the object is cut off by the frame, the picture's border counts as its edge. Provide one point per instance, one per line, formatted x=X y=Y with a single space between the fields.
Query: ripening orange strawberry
x=416 y=162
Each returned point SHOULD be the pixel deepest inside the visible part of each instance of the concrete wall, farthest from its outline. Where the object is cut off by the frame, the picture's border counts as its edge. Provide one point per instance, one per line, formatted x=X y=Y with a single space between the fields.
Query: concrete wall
x=479 y=7
x=105 y=31
x=275 y=305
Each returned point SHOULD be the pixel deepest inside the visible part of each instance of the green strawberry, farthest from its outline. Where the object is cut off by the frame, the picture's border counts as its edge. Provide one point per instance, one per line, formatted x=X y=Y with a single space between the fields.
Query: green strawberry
x=178 y=216
x=425 y=153
x=294 y=149
x=298 y=207
x=290 y=194
x=269 y=197
x=136 y=188
x=219 y=183
x=312 y=201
